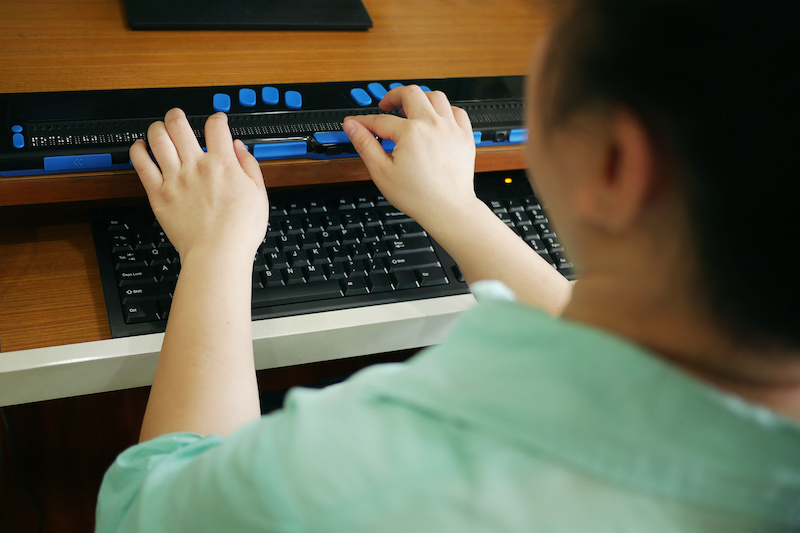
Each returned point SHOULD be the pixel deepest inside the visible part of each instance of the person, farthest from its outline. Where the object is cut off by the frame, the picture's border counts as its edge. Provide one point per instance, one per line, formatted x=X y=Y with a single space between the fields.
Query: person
x=661 y=392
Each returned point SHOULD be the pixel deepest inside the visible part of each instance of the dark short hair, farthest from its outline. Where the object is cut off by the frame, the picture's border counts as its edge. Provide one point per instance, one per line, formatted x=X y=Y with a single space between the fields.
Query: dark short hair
x=715 y=83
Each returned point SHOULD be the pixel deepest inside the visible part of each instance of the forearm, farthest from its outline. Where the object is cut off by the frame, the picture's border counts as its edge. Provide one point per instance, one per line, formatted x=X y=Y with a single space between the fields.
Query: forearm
x=205 y=379
x=485 y=248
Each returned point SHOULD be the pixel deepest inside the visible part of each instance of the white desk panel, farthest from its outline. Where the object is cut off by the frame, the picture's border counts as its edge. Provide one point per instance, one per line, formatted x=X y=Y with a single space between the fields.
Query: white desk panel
x=86 y=368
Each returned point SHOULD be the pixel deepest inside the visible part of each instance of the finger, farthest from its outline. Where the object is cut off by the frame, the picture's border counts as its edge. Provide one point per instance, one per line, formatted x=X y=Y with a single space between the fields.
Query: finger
x=384 y=126
x=414 y=102
x=365 y=143
x=182 y=135
x=163 y=148
x=248 y=163
x=148 y=171
x=462 y=118
x=440 y=103
x=218 y=135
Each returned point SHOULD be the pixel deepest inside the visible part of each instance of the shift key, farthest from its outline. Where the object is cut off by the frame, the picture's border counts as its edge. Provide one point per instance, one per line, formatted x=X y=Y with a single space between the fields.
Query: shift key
x=410 y=261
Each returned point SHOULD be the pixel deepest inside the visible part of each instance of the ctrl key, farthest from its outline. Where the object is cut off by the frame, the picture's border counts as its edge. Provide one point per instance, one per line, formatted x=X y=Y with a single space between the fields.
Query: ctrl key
x=137 y=312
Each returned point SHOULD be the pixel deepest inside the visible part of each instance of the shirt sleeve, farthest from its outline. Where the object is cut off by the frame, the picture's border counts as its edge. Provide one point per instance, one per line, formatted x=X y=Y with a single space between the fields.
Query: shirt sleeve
x=492 y=290
x=186 y=482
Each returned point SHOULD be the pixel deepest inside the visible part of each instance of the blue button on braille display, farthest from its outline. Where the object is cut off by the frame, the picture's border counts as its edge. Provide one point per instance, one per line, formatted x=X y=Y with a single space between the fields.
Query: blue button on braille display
x=222 y=102
x=395 y=85
x=16 y=128
x=387 y=145
x=293 y=99
x=377 y=90
x=279 y=150
x=360 y=96
x=77 y=162
x=270 y=95
x=425 y=88
x=478 y=136
x=518 y=136
x=331 y=137
x=247 y=97
x=18 y=140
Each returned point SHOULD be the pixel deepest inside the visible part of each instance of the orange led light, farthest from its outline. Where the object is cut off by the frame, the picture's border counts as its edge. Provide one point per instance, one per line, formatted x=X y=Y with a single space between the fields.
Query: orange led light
x=508 y=180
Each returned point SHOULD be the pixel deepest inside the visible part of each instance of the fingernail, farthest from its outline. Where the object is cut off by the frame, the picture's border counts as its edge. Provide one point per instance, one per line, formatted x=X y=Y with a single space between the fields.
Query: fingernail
x=349 y=126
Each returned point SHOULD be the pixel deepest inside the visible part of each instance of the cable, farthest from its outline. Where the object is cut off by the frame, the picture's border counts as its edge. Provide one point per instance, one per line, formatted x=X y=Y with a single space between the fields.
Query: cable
x=12 y=460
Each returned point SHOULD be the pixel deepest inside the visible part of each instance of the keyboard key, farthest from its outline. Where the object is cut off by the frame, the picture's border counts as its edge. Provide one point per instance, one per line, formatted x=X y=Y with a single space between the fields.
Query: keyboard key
x=355 y=286
x=164 y=307
x=379 y=281
x=135 y=275
x=313 y=273
x=393 y=216
x=143 y=311
x=335 y=271
x=410 y=244
x=411 y=261
x=272 y=278
x=168 y=272
x=319 y=290
x=293 y=276
x=128 y=259
x=430 y=277
x=404 y=279
x=144 y=291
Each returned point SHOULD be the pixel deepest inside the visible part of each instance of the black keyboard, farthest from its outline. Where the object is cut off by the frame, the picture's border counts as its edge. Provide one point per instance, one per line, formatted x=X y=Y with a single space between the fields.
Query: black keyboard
x=326 y=248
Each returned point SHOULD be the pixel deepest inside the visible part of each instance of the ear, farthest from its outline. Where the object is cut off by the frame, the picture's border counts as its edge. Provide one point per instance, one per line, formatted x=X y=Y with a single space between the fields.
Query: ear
x=620 y=188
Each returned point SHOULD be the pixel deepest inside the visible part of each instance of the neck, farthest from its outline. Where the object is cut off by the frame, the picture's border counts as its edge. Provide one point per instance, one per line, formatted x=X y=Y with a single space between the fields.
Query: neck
x=665 y=320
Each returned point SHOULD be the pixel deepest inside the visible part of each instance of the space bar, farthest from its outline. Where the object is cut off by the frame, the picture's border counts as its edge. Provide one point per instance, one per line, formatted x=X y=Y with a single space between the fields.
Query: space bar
x=290 y=294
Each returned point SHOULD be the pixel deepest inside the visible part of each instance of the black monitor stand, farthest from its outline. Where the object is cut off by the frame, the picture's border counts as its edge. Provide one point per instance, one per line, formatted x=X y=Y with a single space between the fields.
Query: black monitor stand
x=336 y=15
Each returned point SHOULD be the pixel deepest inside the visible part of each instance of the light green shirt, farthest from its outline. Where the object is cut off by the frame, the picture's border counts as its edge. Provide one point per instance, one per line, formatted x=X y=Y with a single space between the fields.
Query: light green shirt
x=518 y=422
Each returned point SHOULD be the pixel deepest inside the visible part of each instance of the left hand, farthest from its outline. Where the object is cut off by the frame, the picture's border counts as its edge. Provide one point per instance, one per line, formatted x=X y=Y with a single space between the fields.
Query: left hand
x=214 y=202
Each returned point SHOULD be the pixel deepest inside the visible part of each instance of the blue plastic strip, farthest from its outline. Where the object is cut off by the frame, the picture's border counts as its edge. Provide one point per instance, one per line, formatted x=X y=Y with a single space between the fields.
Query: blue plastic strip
x=360 y=96
x=16 y=128
x=18 y=140
x=293 y=99
x=77 y=162
x=270 y=95
x=279 y=150
x=518 y=136
x=377 y=90
x=247 y=97
x=332 y=137
x=477 y=135
x=41 y=171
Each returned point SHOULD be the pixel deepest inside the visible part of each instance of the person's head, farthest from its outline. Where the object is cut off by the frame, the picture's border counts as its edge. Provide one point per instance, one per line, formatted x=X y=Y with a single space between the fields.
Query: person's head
x=699 y=98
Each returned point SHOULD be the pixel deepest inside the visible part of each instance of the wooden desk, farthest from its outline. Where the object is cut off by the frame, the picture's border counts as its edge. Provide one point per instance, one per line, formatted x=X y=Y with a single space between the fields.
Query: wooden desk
x=50 y=293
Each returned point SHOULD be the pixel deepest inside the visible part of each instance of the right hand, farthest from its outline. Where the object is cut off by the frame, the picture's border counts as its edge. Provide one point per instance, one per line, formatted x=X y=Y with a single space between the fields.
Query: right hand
x=430 y=173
